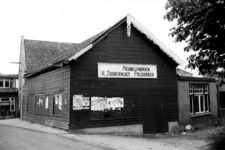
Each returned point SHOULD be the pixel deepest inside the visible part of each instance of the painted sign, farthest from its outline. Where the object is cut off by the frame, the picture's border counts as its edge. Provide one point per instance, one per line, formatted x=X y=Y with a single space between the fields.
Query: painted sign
x=112 y=70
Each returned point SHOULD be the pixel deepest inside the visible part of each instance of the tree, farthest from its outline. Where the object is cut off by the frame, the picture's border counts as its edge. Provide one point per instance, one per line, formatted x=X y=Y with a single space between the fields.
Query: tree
x=201 y=24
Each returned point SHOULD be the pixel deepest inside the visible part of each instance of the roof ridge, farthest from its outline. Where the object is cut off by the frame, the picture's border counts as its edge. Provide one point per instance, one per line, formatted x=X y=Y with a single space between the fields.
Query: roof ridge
x=50 y=41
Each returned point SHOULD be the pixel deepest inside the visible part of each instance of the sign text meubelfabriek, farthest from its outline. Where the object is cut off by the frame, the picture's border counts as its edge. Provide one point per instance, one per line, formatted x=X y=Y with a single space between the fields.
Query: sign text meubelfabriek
x=113 y=70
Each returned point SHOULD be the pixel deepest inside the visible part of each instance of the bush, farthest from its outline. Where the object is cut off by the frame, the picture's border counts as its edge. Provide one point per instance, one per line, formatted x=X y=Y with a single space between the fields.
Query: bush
x=217 y=140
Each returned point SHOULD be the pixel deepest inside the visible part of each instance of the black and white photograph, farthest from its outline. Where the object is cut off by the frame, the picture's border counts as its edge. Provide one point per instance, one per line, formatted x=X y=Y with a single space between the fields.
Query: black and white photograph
x=112 y=75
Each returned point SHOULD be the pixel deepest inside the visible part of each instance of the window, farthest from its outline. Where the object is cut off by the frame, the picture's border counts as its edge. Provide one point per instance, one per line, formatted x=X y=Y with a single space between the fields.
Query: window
x=222 y=99
x=57 y=104
x=9 y=102
x=1 y=83
x=199 y=98
x=7 y=83
x=12 y=83
x=12 y=104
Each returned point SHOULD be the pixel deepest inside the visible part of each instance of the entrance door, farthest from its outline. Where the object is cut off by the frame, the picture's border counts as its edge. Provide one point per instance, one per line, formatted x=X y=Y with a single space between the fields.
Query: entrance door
x=155 y=120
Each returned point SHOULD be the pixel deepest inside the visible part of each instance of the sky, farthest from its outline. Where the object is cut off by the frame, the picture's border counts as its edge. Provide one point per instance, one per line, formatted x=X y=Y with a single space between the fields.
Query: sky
x=74 y=21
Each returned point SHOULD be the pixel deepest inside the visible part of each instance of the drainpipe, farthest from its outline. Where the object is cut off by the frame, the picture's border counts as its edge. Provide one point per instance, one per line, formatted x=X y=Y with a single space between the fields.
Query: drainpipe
x=218 y=100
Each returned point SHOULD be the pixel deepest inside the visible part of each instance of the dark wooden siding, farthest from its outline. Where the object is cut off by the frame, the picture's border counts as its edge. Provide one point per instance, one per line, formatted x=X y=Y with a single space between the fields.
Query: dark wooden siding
x=48 y=84
x=118 y=48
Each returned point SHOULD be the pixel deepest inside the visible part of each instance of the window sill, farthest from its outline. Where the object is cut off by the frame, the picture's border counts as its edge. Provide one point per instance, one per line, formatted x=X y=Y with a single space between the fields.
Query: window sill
x=201 y=114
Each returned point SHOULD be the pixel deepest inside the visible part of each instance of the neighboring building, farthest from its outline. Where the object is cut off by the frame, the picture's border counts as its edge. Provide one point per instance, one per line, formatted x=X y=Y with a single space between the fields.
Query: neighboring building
x=197 y=99
x=33 y=54
x=120 y=80
x=220 y=81
x=181 y=72
x=9 y=95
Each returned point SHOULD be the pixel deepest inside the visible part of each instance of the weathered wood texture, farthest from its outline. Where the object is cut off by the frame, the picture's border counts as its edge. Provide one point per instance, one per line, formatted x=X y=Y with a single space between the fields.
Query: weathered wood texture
x=48 y=84
x=117 y=47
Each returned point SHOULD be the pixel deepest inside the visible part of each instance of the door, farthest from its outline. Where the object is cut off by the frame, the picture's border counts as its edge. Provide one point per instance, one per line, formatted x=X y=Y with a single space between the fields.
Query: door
x=155 y=120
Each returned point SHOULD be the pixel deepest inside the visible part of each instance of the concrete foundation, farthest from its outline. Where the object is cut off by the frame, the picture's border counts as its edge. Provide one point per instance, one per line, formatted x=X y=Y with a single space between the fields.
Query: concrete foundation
x=126 y=129
x=172 y=125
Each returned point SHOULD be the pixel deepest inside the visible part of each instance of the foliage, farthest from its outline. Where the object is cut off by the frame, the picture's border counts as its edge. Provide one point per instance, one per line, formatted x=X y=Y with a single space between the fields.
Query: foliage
x=217 y=140
x=201 y=24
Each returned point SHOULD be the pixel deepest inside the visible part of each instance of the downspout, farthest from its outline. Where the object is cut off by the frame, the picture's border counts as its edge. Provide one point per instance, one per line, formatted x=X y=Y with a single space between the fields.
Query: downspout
x=218 y=100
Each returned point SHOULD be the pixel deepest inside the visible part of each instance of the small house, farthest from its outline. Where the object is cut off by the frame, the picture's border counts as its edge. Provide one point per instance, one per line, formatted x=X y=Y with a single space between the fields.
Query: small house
x=120 y=80
x=9 y=95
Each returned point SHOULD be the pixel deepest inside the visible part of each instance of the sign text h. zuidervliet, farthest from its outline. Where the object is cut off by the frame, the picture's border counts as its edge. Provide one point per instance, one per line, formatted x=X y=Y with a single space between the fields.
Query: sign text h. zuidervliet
x=114 y=70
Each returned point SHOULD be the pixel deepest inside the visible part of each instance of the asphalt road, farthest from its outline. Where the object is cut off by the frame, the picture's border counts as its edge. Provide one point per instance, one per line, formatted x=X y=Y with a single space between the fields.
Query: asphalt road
x=12 y=138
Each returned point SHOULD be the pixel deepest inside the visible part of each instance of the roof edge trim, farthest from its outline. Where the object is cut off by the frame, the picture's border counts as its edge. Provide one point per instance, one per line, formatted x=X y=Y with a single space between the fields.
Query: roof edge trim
x=81 y=52
x=156 y=41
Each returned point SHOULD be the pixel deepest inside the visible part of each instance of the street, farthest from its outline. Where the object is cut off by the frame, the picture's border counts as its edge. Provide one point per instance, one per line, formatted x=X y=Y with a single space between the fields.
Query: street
x=13 y=138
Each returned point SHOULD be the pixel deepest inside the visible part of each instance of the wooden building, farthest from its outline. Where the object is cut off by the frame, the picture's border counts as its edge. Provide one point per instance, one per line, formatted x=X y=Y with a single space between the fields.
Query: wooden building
x=9 y=95
x=120 y=80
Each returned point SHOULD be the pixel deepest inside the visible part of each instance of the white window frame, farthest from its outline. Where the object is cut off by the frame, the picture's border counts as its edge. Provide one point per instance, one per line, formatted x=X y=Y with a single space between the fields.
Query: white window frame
x=11 y=102
x=199 y=91
x=8 y=80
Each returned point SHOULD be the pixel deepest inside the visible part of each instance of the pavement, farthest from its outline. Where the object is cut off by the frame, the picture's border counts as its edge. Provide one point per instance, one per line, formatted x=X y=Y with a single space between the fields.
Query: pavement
x=108 y=140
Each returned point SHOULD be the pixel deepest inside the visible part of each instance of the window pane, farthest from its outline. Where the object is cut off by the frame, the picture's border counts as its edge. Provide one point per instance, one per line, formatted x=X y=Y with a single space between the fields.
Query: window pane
x=6 y=82
x=191 y=104
x=196 y=104
x=206 y=88
x=222 y=99
x=1 y=82
x=11 y=83
x=12 y=106
x=191 y=89
x=202 y=103
x=206 y=103
x=4 y=99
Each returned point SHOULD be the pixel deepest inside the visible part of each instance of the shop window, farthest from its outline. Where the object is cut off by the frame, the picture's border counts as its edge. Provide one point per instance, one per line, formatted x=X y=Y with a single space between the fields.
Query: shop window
x=12 y=104
x=199 y=98
x=222 y=99
x=57 y=104
x=42 y=104
x=113 y=108
x=9 y=102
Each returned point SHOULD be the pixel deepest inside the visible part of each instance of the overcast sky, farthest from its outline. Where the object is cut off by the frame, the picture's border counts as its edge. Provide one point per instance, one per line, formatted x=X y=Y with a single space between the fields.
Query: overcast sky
x=74 y=21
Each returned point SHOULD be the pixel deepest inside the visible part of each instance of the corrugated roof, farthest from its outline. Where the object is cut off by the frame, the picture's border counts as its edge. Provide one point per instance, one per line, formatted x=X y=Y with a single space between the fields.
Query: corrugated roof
x=65 y=56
